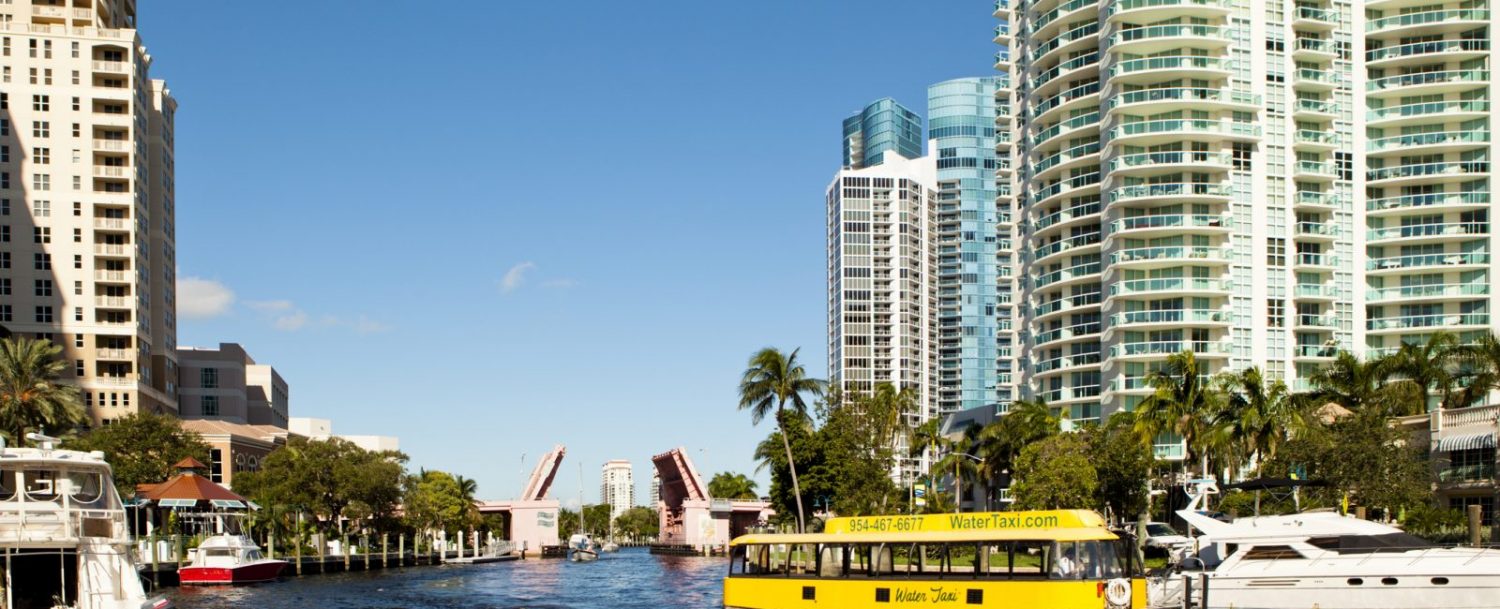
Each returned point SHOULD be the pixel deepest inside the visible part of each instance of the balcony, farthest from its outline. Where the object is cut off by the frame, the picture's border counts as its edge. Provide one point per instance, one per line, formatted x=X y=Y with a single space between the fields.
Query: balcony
x=1317 y=231
x=1064 y=99
x=1150 y=9
x=1077 y=37
x=1308 y=17
x=1152 y=256
x=1044 y=137
x=1041 y=27
x=114 y=302
x=115 y=67
x=1062 y=305
x=1162 y=100
x=1068 y=275
x=1314 y=351
x=1428 y=82
x=1184 y=190
x=1162 y=349
x=1067 y=215
x=1171 y=317
x=49 y=12
x=1314 y=170
x=1167 y=162
x=1424 y=52
x=1453 y=20
x=1314 y=109
x=1314 y=49
x=1068 y=333
x=1172 y=130
x=1408 y=322
x=1065 y=245
x=1314 y=261
x=1177 y=285
x=103 y=171
x=1313 y=291
x=114 y=354
x=1316 y=200
x=1417 y=261
x=1064 y=159
x=1002 y=32
x=1042 y=196
x=1475 y=472
x=1066 y=68
x=1428 y=232
x=114 y=276
x=1150 y=69
x=1311 y=139
x=1414 y=113
x=1156 y=38
x=1464 y=169
x=1442 y=141
x=1458 y=201
x=1174 y=223
x=114 y=146
x=112 y=249
x=1315 y=321
x=1310 y=79
x=1427 y=292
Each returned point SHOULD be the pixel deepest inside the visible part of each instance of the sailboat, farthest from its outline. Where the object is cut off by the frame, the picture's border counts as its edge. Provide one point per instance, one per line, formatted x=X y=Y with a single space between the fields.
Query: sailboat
x=609 y=544
x=581 y=548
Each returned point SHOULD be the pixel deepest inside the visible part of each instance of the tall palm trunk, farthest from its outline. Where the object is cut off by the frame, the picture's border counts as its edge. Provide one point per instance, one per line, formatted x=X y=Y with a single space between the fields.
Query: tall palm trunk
x=791 y=465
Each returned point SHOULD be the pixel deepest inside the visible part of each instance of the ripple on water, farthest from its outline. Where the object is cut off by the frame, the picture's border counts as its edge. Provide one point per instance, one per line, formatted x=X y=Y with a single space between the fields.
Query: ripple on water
x=631 y=579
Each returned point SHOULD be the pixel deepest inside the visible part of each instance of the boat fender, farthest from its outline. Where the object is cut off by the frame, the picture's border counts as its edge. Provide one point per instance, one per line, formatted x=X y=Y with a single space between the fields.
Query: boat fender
x=1117 y=592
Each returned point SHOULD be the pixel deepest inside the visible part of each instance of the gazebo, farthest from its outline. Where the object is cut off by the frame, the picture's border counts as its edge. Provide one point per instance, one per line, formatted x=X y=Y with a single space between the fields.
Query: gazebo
x=191 y=495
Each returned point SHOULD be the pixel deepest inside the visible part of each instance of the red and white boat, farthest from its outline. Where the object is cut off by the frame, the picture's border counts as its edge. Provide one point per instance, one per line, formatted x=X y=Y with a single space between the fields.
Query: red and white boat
x=229 y=559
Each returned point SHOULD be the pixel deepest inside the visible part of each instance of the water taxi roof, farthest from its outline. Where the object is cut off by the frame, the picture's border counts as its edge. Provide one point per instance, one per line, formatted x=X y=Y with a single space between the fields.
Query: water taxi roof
x=1053 y=534
x=1053 y=525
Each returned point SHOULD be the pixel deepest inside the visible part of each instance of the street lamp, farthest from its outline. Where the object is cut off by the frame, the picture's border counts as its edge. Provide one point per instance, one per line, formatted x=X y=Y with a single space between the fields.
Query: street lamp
x=958 y=480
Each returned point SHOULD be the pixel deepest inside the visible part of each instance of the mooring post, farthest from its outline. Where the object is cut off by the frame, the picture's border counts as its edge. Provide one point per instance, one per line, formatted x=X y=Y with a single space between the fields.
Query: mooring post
x=1475 y=539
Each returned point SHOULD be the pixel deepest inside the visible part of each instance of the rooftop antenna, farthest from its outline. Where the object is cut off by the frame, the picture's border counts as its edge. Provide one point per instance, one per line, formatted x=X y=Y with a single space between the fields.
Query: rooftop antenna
x=46 y=442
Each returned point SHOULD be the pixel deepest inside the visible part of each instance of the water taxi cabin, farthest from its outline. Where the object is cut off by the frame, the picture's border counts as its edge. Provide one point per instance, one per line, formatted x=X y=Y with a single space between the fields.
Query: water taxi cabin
x=1063 y=559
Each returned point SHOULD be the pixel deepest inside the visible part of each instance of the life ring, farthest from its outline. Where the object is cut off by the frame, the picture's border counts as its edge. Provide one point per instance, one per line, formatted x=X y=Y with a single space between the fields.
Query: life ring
x=1117 y=592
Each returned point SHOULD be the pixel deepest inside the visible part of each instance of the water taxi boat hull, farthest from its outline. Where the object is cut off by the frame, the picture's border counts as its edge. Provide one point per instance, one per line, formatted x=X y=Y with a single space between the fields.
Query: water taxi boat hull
x=253 y=573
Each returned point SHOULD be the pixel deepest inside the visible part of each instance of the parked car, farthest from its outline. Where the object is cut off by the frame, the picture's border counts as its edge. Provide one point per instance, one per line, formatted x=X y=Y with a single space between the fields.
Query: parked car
x=1161 y=537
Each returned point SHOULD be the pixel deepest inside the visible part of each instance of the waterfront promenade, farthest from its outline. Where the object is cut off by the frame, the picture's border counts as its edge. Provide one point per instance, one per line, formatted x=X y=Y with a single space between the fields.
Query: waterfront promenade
x=629 y=579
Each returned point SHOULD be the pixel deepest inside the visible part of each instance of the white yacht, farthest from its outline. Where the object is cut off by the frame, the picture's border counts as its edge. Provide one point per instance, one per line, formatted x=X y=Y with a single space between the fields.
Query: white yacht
x=1322 y=560
x=63 y=533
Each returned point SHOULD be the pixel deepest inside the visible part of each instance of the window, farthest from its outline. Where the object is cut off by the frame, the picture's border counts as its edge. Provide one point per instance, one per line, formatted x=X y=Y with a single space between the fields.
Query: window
x=44 y=287
x=41 y=182
x=41 y=234
x=41 y=129
x=4 y=286
x=4 y=260
x=4 y=233
x=41 y=209
x=44 y=315
x=1275 y=251
x=5 y=312
x=208 y=378
x=216 y=465
x=210 y=406
x=41 y=103
x=41 y=261
x=40 y=156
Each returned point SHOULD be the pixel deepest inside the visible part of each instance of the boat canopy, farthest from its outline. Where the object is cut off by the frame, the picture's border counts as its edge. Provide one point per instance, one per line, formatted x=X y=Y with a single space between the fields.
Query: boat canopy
x=1053 y=534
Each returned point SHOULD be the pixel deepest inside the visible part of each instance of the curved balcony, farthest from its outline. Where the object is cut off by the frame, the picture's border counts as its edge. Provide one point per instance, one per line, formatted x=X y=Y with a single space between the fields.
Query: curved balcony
x=1405 y=264
x=1157 y=38
x=1396 y=116
x=1314 y=261
x=1315 y=352
x=1149 y=10
x=1153 y=69
x=1066 y=362
x=1145 y=133
x=1166 y=100
x=1422 y=322
x=1427 y=172
x=1318 y=201
x=1072 y=68
x=1077 y=38
x=1070 y=304
x=1426 y=52
x=1070 y=186
x=1157 y=163
x=1316 y=231
x=1045 y=137
x=1426 y=233
x=1314 y=49
x=1066 y=159
x=1002 y=33
x=1065 y=245
x=1080 y=95
x=1326 y=321
x=1156 y=225
x=1168 y=255
x=1069 y=276
x=1066 y=217
x=1308 y=139
x=1313 y=109
x=1310 y=171
x=1068 y=334
x=1454 y=201
x=1427 y=83
x=1172 y=193
x=1162 y=349
x=1315 y=292
x=1442 y=141
x=1143 y=320
x=1044 y=25
x=1184 y=286
x=1309 y=18
x=1427 y=23
x=1310 y=79
x=1444 y=291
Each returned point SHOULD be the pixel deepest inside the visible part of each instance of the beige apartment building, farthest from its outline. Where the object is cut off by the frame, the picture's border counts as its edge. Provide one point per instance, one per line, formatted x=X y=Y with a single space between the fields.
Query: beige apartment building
x=225 y=384
x=86 y=200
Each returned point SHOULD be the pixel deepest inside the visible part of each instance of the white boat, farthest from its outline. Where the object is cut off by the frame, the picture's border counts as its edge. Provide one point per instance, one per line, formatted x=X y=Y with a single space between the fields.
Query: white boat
x=63 y=533
x=229 y=559
x=1322 y=560
x=582 y=549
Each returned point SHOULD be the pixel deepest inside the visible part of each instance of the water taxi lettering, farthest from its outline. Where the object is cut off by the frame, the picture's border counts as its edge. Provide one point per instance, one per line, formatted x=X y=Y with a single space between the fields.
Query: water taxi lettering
x=961 y=522
x=933 y=596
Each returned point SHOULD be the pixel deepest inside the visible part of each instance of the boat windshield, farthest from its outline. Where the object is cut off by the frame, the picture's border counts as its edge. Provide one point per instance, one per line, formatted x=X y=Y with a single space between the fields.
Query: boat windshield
x=77 y=487
x=1370 y=544
x=1160 y=530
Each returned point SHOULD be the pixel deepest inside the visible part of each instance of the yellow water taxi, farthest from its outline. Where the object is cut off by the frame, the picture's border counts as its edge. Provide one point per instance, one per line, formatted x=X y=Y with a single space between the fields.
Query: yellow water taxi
x=1063 y=559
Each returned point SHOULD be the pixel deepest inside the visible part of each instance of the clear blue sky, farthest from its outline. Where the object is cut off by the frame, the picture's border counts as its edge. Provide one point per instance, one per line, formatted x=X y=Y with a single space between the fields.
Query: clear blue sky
x=362 y=178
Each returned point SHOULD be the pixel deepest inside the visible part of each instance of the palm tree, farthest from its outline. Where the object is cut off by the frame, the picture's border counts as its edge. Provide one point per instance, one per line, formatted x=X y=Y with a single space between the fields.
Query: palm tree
x=726 y=485
x=1351 y=383
x=1479 y=370
x=30 y=395
x=1263 y=415
x=772 y=382
x=928 y=439
x=1182 y=403
x=1417 y=370
x=467 y=487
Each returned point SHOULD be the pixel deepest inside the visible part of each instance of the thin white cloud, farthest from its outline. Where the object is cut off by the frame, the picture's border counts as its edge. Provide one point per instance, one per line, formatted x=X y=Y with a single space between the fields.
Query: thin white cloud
x=291 y=322
x=199 y=298
x=515 y=276
x=270 y=306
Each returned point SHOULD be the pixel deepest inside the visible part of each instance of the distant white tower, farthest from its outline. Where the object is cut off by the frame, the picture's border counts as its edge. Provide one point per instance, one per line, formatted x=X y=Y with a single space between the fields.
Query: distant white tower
x=618 y=487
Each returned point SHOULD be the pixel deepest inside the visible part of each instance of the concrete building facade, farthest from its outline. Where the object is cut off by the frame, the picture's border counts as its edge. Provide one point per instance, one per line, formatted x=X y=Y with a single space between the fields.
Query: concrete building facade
x=87 y=255
x=617 y=487
x=225 y=383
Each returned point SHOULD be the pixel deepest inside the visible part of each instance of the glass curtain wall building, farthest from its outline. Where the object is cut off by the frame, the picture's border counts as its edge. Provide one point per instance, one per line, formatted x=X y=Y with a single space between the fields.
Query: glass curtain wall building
x=973 y=325
x=883 y=126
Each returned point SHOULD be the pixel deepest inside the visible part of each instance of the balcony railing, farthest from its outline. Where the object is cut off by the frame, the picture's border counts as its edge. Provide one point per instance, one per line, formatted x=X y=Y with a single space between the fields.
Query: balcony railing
x=1457 y=290
x=1169 y=347
x=1428 y=321
x=1170 y=31
x=1181 y=189
x=1427 y=17
x=1128 y=5
x=1312 y=197
x=1170 y=252
x=1428 y=200
x=1429 y=230
x=1429 y=139
x=1317 y=14
x=1429 y=108
x=1170 y=316
x=1070 y=213
x=1148 y=159
x=1184 y=94
x=1171 y=284
x=1080 y=270
x=1478 y=472
x=1188 y=126
x=1427 y=48
x=1183 y=62
x=1316 y=105
x=1427 y=78
x=1052 y=15
x=1427 y=169
x=1428 y=260
x=1310 y=290
x=1171 y=221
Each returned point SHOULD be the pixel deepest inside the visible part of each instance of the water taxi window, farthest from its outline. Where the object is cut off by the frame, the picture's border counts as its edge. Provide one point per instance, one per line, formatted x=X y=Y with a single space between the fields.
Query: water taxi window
x=757 y=560
x=994 y=560
x=831 y=561
x=962 y=559
x=905 y=560
x=803 y=560
x=1030 y=559
x=41 y=485
x=1085 y=560
x=934 y=558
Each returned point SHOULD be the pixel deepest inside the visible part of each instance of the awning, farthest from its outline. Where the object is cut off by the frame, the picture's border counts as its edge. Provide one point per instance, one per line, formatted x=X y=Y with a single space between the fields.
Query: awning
x=1466 y=442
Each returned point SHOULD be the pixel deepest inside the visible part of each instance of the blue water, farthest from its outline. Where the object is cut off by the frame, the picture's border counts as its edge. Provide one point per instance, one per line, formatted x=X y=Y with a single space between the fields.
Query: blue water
x=630 y=579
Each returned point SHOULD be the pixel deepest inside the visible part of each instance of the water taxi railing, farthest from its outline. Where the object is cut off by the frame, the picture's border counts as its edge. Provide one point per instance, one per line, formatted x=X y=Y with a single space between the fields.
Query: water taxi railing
x=40 y=525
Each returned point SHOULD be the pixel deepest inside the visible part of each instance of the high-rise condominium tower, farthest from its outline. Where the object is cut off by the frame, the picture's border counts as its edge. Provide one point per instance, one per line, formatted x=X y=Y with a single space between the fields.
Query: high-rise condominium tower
x=617 y=487
x=86 y=200
x=1259 y=182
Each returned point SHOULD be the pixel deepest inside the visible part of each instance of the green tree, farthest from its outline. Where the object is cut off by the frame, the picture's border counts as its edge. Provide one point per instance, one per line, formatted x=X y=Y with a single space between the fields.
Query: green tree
x=141 y=448
x=435 y=501
x=1056 y=473
x=1122 y=464
x=331 y=479
x=1262 y=416
x=638 y=524
x=31 y=396
x=1182 y=402
x=1363 y=459
x=726 y=485
x=568 y=523
x=1418 y=370
x=771 y=382
x=1000 y=443
x=596 y=519
x=1479 y=370
x=928 y=439
x=1352 y=383
x=858 y=440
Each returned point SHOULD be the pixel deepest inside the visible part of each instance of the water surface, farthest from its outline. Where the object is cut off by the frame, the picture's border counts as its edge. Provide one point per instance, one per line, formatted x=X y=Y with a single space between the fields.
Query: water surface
x=630 y=579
